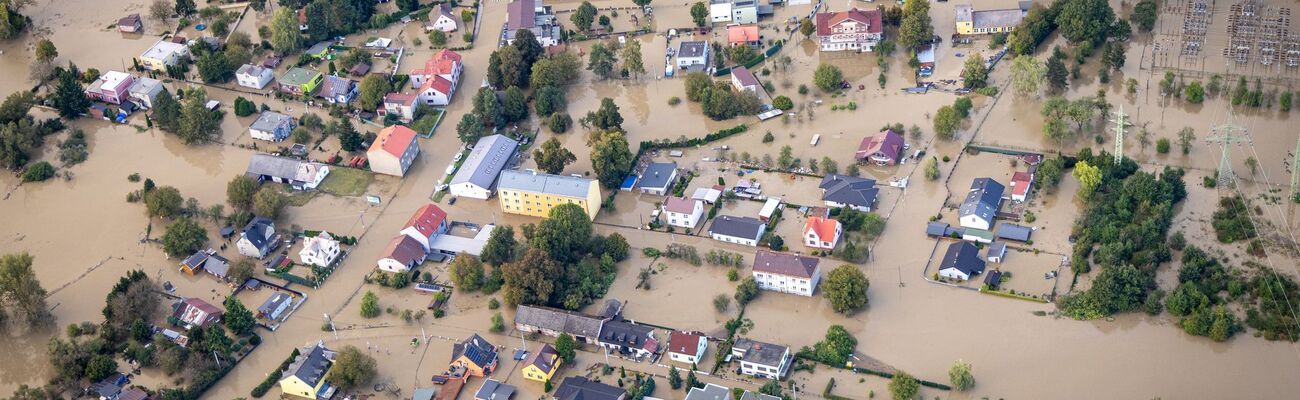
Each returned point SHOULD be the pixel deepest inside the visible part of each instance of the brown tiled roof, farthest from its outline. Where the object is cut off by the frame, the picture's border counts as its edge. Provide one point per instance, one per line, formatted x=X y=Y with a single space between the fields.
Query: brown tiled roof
x=785 y=264
x=680 y=205
x=404 y=249
x=684 y=342
x=870 y=17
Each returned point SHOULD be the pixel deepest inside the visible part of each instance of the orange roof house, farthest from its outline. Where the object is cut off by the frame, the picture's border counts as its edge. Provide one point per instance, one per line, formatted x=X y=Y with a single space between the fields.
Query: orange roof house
x=821 y=233
x=743 y=34
x=393 y=151
x=427 y=222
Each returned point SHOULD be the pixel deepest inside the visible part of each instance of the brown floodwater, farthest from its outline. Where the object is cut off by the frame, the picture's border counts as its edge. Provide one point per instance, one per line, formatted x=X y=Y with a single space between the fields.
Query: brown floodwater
x=84 y=235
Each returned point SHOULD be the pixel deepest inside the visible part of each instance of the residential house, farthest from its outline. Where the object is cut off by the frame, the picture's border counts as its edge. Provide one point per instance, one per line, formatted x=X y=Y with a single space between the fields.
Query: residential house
x=581 y=388
x=970 y=21
x=980 y=208
x=535 y=194
x=111 y=87
x=473 y=357
x=258 y=238
x=337 y=90
x=195 y=262
x=319 y=51
x=427 y=223
x=541 y=364
x=254 y=76
x=298 y=174
x=843 y=191
x=402 y=254
x=130 y=24
x=393 y=151
x=1021 y=182
x=852 y=30
x=961 y=261
x=272 y=126
x=477 y=176
x=109 y=388
x=822 y=233
x=771 y=207
x=993 y=280
x=300 y=81
x=739 y=230
x=744 y=81
x=709 y=392
x=134 y=393
x=683 y=212
x=494 y=390
x=308 y=375
x=437 y=80
x=734 y=11
x=786 y=272
x=757 y=396
x=977 y=235
x=1019 y=233
x=534 y=16
x=145 y=90
x=400 y=105
x=658 y=178
x=687 y=347
x=441 y=19
x=194 y=312
x=744 y=35
x=320 y=250
x=938 y=229
x=552 y=322
x=218 y=267
x=883 y=148
x=454 y=242
x=163 y=54
x=629 y=339
x=275 y=306
x=762 y=360
x=708 y=195
x=693 y=54
x=997 y=251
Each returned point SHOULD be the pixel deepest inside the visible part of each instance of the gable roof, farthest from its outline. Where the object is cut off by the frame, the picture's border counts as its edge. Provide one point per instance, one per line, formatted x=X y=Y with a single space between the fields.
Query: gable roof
x=742 y=34
x=544 y=358
x=130 y=20
x=256 y=232
x=252 y=70
x=628 y=334
x=335 y=86
x=581 y=388
x=871 y=18
x=404 y=249
x=538 y=182
x=849 y=190
x=658 y=175
x=709 y=392
x=441 y=63
x=494 y=390
x=521 y=14
x=983 y=199
x=273 y=303
x=269 y=121
x=1020 y=182
x=476 y=349
x=757 y=396
x=743 y=227
x=886 y=142
x=570 y=322
x=680 y=205
x=824 y=227
x=311 y=365
x=743 y=75
x=1014 y=232
x=427 y=219
x=684 y=342
x=217 y=265
x=485 y=162
x=394 y=140
x=785 y=264
x=964 y=257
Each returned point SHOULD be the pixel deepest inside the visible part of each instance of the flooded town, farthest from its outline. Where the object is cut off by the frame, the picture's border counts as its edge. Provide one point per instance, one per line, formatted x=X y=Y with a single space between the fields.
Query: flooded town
x=641 y=199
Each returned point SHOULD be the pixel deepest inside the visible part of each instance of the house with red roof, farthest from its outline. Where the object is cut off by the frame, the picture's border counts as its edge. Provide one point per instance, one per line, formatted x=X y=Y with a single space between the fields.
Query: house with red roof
x=883 y=148
x=821 y=233
x=744 y=80
x=1021 y=182
x=744 y=35
x=427 y=223
x=687 y=347
x=402 y=254
x=393 y=151
x=436 y=81
x=193 y=312
x=852 y=30
x=786 y=272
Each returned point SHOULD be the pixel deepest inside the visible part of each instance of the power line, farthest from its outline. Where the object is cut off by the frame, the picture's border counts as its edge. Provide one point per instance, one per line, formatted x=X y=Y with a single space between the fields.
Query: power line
x=1226 y=135
x=1120 y=127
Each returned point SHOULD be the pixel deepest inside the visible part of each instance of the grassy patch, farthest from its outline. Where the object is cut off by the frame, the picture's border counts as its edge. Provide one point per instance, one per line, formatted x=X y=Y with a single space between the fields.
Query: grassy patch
x=346 y=182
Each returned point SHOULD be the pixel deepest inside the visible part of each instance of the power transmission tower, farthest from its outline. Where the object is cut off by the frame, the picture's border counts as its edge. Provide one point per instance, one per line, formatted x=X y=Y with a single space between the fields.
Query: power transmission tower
x=1120 y=127
x=1226 y=135
x=1295 y=169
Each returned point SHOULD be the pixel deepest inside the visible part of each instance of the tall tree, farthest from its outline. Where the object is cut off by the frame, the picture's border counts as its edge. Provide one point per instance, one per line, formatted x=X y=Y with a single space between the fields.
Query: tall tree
x=946 y=122
x=584 y=16
x=45 y=51
x=564 y=233
x=22 y=291
x=917 y=28
x=846 y=288
x=1085 y=20
x=601 y=60
x=372 y=90
x=1144 y=15
x=529 y=49
x=237 y=318
x=185 y=7
x=69 y=97
x=514 y=106
x=285 y=37
x=495 y=77
x=318 y=22
x=700 y=14
x=548 y=100
x=352 y=368
x=167 y=112
x=487 y=108
x=531 y=279
x=198 y=123
x=500 y=247
x=607 y=116
x=828 y=77
x=183 y=237
x=611 y=158
x=974 y=73
x=1057 y=74
x=470 y=128
x=1028 y=75
x=557 y=70
x=632 y=58
x=552 y=157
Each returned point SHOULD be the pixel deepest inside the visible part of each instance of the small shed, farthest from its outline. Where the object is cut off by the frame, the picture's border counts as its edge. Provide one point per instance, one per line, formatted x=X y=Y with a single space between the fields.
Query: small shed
x=1015 y=232
x=996 y=252
x=936 y=228
x=977 y=235
x=993 y=280
x=769 y=208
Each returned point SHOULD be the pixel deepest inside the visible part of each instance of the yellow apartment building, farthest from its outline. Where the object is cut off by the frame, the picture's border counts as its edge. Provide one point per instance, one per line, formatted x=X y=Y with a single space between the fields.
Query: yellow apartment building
x=535 y=193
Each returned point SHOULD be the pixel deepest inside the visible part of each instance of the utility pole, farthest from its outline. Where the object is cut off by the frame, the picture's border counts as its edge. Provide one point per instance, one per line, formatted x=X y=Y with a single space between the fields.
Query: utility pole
x=332 y=328
x=1120 y=127
x=1226 y=135
x=1295 y=169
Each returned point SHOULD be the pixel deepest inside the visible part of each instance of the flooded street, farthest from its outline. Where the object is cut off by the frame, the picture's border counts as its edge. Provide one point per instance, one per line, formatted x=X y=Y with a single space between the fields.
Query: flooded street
x=84 y=235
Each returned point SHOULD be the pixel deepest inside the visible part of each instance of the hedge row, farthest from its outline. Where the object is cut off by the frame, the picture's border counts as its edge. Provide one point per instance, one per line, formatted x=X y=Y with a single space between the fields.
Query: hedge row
x=274 y=377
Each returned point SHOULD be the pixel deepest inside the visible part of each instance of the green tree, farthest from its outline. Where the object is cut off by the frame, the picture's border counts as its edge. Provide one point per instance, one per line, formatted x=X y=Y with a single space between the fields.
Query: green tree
x=470 y=128
x=164 y=202
x=548 y=100
x=237 y=318
x=21 y=290
x=239 y=192
x=1057 y=74
x=565 y=347
x=584 y=16
x=371 y=92
x=974 y=73
x=300 y=135
x=806 y=27
x=244 y=107
x=500 y=247
x=318 y=23
x=38 y=172
x=1194 y=92
x=632 y=58
x=552 y=157
x=846 y=288
x=437 y=38
x=946 y=122
x=698 y=86
x=69 y=97
x=467 y=273
x=514 y=107
x=198 y=123
x=746 y=291
x=514 y=69
x=563 y=235
x=185 y=8
x=607 y=116
x=268 y=202
x=557 y=70
x=960 y=377
x=601 y=60
x=1185 y=138
x=1089 y=178
x=699 y=15
x=1084 y=20
x=903 y=386
x=45 y=51
x=916 y=28
x=1144 y=15
x=349 y=138
x=828 y=77
x=836 y=347
x=488 y=109
x=183 y=238
x=352 y=368
x=285 y=37
x=498 y=323
x=167 y=112
x=782 y=103
x=1028 y=75
x=932 y=169
x=530 y=50
x=370 y=305
x=100 y=367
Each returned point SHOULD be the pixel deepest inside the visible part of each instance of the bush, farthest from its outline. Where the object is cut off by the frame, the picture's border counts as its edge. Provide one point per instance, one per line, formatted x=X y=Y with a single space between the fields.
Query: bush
x=782 y=103
x=244 y=107
x=672 y=101
x=38 y=172
x=1162 y=146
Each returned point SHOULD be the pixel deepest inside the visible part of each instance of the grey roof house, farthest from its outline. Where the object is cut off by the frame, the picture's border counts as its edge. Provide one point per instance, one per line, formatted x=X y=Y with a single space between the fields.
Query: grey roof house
x=763 y=360
x=628 y=339
x=310 y=367
x=961 y=261
x=337 y=89
x=300 y=175
x=494 y=390
x=709 y=392
x=693 y=55
x=1015 y=232
x=272 y=126
x=981 y=205
x=658 y=178
x=218 y=267
x=739 y=230
x=552 y=322
x=259 y=238
x=849 y=191
x=477 y=176
x=581 y=388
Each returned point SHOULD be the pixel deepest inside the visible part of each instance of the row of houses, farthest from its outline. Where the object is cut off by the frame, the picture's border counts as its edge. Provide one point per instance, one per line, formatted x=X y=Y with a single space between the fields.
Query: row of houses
x=429 y=234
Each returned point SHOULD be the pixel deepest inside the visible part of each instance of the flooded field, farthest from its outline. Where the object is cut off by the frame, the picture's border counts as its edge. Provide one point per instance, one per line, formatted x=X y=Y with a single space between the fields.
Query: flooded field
x=84 y=235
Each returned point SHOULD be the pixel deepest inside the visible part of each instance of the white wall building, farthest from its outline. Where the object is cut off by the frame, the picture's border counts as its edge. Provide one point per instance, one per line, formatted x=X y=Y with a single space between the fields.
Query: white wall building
x=254 y=76
x=786 y=273
x=320 y=250
x=683 y=212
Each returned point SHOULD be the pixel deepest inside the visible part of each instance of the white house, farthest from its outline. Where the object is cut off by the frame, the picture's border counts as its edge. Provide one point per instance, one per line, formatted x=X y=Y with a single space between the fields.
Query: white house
x=272 y=126
x=851 y=30
x=402 y=254
x=840 y=191
x=821 y=233
x=683 y=212
x=786 y=273
x=145 y=90
x=259 y=238
x=163 y=54
x=437 y=80
x=763 y=360
x=477 y=176
x=426 y=224
x=320 y=250
x=254 y=76
x=739 y=230
x=658 y=178
x=441 y=19
x=393 y=150
x=734 y=11
x=687 y=347
x=744 y=80
x=1020 y=184
x=691 y=53
x=961 y=261
x=980 y=208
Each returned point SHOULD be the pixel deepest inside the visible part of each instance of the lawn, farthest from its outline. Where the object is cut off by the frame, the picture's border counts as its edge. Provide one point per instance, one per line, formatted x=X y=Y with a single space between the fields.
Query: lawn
x=346 y=182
